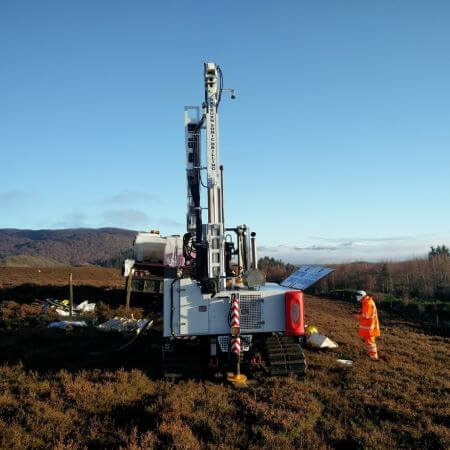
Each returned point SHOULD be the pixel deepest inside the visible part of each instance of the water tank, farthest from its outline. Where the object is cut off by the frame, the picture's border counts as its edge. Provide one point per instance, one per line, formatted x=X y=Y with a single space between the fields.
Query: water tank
x=156 y=249
x=149 y=247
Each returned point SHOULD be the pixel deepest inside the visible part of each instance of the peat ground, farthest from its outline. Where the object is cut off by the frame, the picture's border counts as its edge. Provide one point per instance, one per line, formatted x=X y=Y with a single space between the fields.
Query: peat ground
x=68 y=389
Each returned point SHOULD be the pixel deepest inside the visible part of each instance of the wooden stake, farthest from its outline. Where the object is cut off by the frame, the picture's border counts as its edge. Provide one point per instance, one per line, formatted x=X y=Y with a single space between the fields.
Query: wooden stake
x=129 y=282
x=71 y=296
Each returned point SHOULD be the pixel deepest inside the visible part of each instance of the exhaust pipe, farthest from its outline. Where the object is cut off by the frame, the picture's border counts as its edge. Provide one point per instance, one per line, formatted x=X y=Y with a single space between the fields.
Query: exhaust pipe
x=253 y=245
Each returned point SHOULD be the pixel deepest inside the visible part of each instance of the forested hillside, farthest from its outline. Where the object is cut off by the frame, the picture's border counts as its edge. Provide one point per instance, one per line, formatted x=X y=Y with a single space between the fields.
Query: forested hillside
x=69 y=246
x=426 y=278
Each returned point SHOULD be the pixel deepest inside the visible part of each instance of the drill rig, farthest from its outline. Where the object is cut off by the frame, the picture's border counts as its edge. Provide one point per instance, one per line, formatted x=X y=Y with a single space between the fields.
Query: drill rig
x=218 y=311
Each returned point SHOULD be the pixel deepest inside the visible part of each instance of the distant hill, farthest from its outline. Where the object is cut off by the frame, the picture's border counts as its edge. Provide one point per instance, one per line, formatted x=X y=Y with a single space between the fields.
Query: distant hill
x=68 y=246
x=28 y=261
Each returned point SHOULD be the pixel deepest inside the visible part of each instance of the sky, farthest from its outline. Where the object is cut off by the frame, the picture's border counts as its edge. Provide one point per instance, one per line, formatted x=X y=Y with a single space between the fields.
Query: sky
x=337 y=147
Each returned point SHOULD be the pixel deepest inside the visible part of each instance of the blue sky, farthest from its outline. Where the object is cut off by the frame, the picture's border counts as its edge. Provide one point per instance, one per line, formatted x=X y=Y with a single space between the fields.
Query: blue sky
x=337 y=147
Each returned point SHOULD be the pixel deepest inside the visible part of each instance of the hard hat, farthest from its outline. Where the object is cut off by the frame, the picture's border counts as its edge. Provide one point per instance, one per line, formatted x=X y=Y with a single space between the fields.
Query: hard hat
x=310 y=329
x=360 y=295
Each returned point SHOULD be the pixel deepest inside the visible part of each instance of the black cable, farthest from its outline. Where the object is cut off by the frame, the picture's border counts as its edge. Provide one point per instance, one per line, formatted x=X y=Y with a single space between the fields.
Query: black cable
x=201 y=181
x=139 y=332
x=198 y=127
x=149 y=324
x=187 y=246
x=200 y=123
x=171 y=304
x=219 y=97
x=221 y=194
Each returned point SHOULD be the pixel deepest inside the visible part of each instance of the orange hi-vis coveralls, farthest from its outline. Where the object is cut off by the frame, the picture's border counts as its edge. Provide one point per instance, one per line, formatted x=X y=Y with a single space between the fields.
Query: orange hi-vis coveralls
x=369 y=327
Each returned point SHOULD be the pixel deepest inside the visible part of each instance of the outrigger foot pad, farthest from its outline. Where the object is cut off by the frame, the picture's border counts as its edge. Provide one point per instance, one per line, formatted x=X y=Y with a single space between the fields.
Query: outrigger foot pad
x=237 y=380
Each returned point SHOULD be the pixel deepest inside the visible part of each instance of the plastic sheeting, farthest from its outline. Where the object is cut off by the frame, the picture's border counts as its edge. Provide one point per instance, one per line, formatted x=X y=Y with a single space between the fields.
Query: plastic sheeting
x=320 y=341
x=345 y=362
x=68 y=323
x=83 y=307
x=123 y=324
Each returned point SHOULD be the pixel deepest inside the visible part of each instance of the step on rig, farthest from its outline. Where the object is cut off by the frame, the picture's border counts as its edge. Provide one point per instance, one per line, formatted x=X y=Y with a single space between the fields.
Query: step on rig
x=219 y=314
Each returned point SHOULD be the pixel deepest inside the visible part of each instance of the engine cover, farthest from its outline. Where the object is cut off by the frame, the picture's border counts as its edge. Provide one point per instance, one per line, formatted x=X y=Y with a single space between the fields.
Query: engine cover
x=188 y=312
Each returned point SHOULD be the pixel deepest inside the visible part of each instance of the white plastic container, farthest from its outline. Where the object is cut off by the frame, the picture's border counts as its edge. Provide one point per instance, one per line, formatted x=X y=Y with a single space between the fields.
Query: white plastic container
x=154 y=248
x=149 y=247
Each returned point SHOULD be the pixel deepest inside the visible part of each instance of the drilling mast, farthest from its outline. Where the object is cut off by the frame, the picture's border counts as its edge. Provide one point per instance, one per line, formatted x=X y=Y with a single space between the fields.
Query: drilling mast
x=208 y=239
x=215 y=227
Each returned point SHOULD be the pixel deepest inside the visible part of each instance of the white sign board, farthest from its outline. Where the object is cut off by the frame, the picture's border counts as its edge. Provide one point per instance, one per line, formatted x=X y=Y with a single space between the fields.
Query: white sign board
x=305 y=276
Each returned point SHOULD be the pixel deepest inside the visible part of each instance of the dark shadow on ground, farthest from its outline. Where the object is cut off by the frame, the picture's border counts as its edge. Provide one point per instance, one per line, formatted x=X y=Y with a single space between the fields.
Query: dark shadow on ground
x=48 y=350
x=25 y=337
x=25 y=293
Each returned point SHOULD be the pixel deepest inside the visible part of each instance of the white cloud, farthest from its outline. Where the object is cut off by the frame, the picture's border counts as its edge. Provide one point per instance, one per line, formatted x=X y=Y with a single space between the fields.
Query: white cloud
x=165 y=222
x=74 y=219
x=126 y=217
x=358 y=249
x=131 y=197
x=363 y=239
x=15 y=198
x=131 y=218
x=318 y=247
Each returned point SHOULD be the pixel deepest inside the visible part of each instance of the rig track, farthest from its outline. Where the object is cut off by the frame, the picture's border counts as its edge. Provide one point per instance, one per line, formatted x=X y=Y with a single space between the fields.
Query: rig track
x=284 y=356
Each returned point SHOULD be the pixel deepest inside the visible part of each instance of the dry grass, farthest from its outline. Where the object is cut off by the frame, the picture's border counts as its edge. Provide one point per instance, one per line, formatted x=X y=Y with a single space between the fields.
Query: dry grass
x=11 y=277
x=28 y=261
x=55 y=394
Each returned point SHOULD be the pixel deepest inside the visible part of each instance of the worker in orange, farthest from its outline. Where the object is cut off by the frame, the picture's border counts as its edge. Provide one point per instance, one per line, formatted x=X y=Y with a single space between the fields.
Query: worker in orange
x=369 y=327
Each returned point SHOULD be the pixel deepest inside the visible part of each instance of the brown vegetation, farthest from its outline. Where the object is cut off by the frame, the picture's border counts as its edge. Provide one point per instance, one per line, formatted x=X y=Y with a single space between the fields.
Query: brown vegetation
x=11 y=277
x=67 y=389
x=69 y=246
x=275 y=270
x=421 y=278
x=28 y=261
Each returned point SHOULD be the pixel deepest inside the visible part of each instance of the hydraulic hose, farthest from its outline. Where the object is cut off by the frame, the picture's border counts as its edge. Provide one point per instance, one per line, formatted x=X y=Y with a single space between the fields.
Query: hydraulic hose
x=148 y=325
x=140 y=331
x=172 y=308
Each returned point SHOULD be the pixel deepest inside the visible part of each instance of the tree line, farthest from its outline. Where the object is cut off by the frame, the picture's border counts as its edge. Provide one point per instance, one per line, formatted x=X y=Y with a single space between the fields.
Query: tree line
x=425 y=278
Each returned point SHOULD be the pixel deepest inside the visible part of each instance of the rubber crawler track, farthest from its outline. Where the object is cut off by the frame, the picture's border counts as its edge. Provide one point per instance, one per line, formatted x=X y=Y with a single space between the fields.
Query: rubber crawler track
x=284 y=356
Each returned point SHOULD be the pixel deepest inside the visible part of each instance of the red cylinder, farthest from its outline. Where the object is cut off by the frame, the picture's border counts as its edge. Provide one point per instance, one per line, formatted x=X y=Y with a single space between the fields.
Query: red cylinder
x=294 y=313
